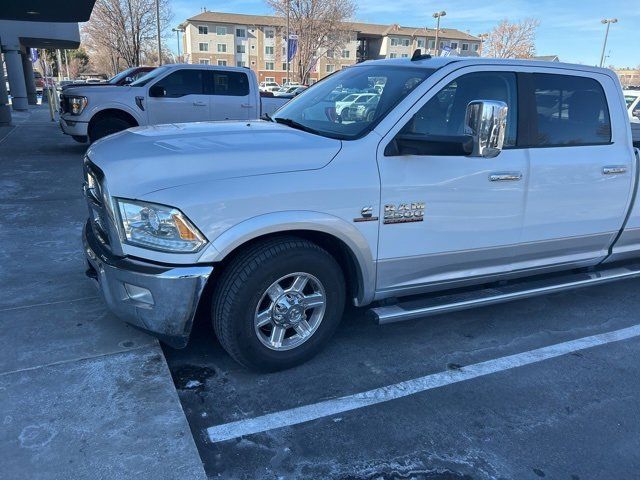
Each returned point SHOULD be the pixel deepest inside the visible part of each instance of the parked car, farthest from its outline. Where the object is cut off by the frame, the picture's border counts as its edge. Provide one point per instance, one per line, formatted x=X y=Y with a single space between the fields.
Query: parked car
x=125 y=77
x=269 y=86
x=38 y=80
x=362 y=109
x=354 y=98
x=290 y=91
x=168 y=94
x=632 y=98
x=457 y=200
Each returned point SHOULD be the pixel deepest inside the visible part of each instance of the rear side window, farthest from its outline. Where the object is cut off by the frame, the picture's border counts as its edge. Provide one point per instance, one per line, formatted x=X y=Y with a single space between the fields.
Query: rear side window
x=570 y=111
x=235 y=84
x=183 y=82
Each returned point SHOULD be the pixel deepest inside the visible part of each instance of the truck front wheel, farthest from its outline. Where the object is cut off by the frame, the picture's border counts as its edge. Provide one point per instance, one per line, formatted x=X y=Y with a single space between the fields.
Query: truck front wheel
x=278 y=303
x=106 y=126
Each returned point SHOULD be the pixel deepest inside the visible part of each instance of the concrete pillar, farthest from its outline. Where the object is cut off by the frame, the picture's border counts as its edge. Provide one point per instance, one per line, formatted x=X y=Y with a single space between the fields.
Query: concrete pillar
x=30 y=83
x=5 y=111
x=16 y=79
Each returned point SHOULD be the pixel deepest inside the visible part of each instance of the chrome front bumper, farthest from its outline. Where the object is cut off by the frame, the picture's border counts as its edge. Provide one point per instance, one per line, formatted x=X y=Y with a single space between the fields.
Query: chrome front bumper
x=159 y=299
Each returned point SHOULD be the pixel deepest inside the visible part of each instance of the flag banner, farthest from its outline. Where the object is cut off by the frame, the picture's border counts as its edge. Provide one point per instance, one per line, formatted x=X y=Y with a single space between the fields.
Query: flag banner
x=446 y=52
x=292 y=47
x=34 y=55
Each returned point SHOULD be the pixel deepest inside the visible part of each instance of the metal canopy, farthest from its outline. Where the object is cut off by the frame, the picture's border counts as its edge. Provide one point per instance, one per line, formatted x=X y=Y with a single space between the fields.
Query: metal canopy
x=46 y=10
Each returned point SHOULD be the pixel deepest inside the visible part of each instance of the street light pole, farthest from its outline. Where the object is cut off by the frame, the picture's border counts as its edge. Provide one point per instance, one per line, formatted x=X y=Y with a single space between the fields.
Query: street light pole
x=607 y=22
x=177 y=30
x=288 y=34
x=158 y=25
x=483 y=38
x=437 y=16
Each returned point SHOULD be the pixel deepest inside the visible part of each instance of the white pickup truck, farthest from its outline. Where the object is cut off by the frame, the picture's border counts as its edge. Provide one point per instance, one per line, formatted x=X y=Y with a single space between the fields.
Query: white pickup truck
x=476 y=181
x=170 y=94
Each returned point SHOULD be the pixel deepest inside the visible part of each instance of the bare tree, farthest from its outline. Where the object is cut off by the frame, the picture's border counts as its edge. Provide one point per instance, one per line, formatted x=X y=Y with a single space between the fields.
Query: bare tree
x=512 y=40
x=119 y=32
x=320 y=27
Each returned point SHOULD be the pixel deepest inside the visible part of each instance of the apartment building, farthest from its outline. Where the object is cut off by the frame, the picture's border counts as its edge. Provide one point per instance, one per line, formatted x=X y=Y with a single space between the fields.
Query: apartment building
x=629 y=77
x=259 y=42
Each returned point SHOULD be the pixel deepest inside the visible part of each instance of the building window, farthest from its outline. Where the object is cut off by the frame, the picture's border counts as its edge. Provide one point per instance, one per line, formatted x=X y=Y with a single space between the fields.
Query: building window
x=222 y=63
x=330 y=53
x=465 y=47
x=203 y=30
x=476 y=47
x=269 y=33
x=268 y=50
x=203 y=47
x=269 y=66
x=394 y=42
x=284 y=66
x=241 y=49
x=346 y=54
x=420 y=43
x=454 y=45
x=284 y=51
x=221 y=30
x=393 y=55
x=405 y=55
x=329 y=68
x=222 y=48
x=240 y=63
x=240 y=32
x=432 y=44
x=270 y=79
x=406 y=42
x=204 y=61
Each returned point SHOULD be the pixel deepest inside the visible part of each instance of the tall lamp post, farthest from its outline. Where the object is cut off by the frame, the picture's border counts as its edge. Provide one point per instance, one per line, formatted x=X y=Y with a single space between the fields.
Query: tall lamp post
x=483 y=38
x=178 y=30
x=288 y=35
x=607 y=22
x=159 y=39
x=437 y=16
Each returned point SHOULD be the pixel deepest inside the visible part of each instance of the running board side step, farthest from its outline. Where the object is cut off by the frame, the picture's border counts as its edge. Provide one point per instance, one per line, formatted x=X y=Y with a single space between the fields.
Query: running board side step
x=435 y=304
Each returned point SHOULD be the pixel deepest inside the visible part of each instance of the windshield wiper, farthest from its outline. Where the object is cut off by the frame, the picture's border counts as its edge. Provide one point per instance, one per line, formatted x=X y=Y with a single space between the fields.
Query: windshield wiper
x=266 y=116
x=297 y=125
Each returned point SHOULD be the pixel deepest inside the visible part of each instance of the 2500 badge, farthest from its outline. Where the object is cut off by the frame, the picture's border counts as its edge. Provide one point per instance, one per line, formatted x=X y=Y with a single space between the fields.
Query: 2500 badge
x=404 y=212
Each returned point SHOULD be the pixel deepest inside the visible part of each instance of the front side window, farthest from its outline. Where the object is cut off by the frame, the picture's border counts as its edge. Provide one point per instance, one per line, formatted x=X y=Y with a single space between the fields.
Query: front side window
x=444 y=114
x=183 y=82
x=570 y=111
x=328 y=109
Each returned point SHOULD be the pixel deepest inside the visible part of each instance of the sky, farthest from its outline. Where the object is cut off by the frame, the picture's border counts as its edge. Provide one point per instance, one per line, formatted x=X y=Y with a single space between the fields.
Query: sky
x=569 y=29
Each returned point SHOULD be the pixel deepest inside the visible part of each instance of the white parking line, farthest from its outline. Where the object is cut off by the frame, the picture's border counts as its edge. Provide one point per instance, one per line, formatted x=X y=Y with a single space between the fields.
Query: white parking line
x=335 y=406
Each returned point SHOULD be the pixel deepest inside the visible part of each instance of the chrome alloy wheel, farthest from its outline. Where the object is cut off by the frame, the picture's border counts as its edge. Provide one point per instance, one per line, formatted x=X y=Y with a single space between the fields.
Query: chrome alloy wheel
x=290 y=311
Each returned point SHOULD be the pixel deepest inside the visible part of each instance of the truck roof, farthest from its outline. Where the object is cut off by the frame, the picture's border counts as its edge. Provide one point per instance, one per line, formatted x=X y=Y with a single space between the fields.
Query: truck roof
x=438 y=62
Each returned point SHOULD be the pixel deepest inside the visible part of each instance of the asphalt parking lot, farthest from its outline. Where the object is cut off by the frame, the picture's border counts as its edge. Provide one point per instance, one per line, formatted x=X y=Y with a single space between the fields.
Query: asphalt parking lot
x=571 y=415
x=575 y=416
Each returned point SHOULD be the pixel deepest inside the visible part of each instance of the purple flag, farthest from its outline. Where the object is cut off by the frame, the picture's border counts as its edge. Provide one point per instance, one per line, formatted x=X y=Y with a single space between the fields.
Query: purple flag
x=292 y=47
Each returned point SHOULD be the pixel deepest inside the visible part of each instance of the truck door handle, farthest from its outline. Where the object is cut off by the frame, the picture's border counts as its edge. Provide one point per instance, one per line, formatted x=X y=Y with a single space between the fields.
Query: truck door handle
x=505 y=176
x=246 y=105
x=614 y=169
x=199 y=104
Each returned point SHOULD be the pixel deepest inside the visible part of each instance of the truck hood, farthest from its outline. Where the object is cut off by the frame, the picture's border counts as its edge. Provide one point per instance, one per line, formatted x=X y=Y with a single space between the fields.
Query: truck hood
x=95 y=89
x=142 y=160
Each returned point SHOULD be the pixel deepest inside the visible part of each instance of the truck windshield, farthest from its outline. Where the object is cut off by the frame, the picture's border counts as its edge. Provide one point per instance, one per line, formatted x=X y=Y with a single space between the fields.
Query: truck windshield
x=143 y=80
x=123 y=74
x=337 y=108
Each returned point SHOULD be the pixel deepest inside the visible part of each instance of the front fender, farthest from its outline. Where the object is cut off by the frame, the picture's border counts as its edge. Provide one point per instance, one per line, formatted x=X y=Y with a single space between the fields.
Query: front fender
x=285 y=221
x=136 y=114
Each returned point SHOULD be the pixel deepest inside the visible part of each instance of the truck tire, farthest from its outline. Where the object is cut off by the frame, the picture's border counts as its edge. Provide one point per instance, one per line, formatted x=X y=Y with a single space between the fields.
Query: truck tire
x=79 y=138
x=278 y=303
x=106 y=126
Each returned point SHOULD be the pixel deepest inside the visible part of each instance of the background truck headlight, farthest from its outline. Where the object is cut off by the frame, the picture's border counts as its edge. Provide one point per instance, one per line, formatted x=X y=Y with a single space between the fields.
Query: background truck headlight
x=158 y=227
x=77 y=104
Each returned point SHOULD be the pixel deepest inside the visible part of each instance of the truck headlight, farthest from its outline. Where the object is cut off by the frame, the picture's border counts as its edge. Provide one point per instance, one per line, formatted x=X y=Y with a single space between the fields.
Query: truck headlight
x=158 y=227
x=77 y=104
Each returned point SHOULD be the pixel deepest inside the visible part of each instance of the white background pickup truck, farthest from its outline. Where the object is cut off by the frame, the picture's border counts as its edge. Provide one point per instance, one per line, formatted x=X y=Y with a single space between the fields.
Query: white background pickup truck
x=169 y=94
x=475 y=181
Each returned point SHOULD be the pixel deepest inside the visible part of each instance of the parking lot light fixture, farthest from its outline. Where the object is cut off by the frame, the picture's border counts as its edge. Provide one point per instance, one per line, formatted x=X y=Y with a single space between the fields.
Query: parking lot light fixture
x=607 y=22
x=438 y=16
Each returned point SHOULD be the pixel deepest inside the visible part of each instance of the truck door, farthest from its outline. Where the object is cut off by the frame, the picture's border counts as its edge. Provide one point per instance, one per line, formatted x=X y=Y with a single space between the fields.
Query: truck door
x=230 y=97
x=465 y=213
x=581 y=173
x=184 y=99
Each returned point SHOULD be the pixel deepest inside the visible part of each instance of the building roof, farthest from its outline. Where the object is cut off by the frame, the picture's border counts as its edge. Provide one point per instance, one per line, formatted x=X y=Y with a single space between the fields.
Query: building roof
x=547 y=58
x=364 y=28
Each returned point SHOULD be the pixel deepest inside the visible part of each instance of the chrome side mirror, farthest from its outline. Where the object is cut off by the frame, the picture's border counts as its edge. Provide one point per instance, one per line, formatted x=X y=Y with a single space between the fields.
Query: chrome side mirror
x=128 y=80
x=486 y=122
